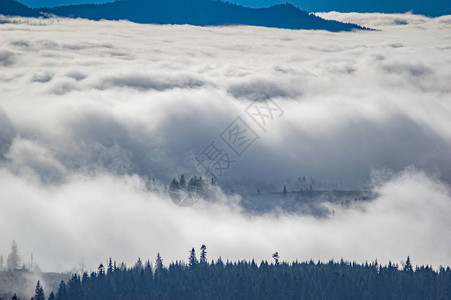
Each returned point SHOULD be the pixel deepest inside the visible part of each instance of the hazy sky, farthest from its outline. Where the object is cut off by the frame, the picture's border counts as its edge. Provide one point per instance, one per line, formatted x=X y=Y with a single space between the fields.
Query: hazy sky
x=89 y=110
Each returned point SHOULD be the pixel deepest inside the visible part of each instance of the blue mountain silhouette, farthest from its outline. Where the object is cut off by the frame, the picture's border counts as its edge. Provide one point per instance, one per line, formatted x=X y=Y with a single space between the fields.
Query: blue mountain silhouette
x=14 y=8
x=423 y=7
x=194 y=12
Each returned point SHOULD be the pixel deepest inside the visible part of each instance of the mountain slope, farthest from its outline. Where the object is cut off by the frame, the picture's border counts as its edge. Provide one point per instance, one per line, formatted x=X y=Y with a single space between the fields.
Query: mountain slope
x=14 y=8
x=200 y=12
x=423 y=7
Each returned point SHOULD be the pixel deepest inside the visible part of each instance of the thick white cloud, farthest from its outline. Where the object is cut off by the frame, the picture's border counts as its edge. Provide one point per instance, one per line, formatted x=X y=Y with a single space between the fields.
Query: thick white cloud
x=390 y=21
x=89 y=110
x=89 y=219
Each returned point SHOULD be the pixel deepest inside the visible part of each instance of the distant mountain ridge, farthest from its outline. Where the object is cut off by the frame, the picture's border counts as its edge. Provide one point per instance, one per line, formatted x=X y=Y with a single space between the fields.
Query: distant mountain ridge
x=429 y=8
x=199 y=12
x=14 y=8
x=423 y=7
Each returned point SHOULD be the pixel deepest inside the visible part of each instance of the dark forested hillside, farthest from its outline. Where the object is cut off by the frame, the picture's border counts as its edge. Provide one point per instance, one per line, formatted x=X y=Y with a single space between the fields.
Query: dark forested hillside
x=247 y=280
x=200 y=12
x=194 y=12
x=14 y=8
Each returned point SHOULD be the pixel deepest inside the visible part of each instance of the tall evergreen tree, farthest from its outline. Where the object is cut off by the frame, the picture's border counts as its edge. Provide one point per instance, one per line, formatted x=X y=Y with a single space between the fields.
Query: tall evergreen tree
x=13 y=260
x=61 y=294
x=110 y=266
x=203 y=254
x=158 y=263
x=39 y=292
x=192 y=258
x=408 y=265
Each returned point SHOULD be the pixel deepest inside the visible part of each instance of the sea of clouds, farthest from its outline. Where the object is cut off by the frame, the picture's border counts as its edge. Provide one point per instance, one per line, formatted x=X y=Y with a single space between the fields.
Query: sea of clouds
x=90 y=111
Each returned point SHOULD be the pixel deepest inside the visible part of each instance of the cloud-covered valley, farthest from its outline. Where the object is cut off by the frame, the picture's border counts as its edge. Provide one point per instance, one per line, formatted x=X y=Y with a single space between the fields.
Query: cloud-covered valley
x=90 y=111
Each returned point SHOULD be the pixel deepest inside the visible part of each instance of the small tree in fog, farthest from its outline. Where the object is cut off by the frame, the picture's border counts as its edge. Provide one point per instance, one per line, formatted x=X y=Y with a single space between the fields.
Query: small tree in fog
x=182 y=181
x=39 y=292
x=51 y=296
x=2 y=263
x=101 y=270
x=139 y=265
x=13 y=260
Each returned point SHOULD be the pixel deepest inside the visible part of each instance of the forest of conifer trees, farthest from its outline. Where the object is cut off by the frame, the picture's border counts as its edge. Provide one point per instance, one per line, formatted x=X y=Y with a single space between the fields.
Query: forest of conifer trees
x=200 y=279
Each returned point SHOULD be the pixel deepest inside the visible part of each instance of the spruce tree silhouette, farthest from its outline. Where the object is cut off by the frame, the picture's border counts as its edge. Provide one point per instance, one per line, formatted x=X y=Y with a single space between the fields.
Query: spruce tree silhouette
x=158 y=263
x=39 y=292
x=192 y=258
x=203 y=254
